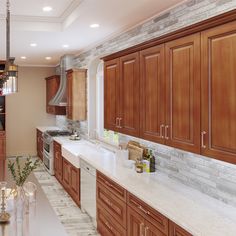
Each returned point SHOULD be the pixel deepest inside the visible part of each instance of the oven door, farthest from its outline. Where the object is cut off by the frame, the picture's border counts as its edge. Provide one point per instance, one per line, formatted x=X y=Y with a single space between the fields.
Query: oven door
x=46 y=146
x=46 y=160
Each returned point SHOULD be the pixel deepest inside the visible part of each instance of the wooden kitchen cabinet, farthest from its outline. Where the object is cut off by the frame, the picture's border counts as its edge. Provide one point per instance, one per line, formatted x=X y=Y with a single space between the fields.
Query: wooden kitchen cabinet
x=111 y=207
x=121 y=94
x=139 y=226
x=175 y=230
x=39 y=144
x=57 y=161
x=52 y=85
x=76 y=108
x=111 y=94
x=106 y=225
x=182 y=126
x=71 y=180
x=218 y=107
x=2 y=146
x=152 y=94
x=153 y=217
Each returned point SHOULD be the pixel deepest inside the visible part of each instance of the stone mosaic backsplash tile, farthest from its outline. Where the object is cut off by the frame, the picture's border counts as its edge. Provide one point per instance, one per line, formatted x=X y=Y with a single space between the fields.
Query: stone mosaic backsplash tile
x=212 y=177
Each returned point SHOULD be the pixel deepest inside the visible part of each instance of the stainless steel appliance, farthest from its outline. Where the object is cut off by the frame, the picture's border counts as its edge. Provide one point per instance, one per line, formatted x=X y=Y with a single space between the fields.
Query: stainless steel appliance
x=48 y=158
x=88 y=190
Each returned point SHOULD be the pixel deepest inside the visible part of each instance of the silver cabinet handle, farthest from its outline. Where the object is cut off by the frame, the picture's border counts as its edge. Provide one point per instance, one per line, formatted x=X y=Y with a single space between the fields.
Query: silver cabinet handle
x=202 y=139
x=141 y=229
x=166 y=132
x=161 y=130
x=117 y=120
x=146 y=231
x=120 y=123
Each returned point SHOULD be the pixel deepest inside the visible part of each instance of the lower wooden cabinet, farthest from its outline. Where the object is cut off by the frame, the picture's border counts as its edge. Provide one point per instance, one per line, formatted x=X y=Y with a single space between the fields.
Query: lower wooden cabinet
x=111 y=207
x=121 y=213
x=57 y=161
x=175 y=230
x=71 y=180
x=106 y=225
x=140 y=226
x=39 y=144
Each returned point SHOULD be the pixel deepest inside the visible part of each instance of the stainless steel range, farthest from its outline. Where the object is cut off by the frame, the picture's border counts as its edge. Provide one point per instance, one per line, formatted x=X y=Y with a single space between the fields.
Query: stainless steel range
x=48 y=157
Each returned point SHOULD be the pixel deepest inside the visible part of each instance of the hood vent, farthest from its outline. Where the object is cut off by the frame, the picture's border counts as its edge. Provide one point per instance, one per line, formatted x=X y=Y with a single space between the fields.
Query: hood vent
x=60 y=99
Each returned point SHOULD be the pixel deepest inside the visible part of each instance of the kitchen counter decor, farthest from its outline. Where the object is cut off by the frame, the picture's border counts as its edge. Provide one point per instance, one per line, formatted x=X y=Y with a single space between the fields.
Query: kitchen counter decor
x=23 y=193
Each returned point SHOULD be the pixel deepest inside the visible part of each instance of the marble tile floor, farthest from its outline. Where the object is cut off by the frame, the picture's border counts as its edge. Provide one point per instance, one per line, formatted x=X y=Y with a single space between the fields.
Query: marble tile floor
x=74 y=220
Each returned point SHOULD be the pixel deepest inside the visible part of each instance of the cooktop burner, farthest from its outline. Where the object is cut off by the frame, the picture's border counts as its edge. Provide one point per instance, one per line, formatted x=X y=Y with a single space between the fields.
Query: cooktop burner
x=54 y=133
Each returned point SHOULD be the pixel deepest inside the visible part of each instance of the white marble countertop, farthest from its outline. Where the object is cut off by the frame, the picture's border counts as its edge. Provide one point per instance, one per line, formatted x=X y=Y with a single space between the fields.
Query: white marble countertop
x=198 y=213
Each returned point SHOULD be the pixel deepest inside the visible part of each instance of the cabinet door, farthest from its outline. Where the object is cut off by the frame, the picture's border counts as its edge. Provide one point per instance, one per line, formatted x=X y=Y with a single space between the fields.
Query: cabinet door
x=75 y=184
x=111 y=94
x=39 y=144
x=66 y=174
x=69 y=84
x=2 y=146
x=152 y=92
x=175 y=230
x=52 y=85
x=129 y=95
x=152 y=230
x=136 y=223
x=57 y=161
x=218 y=97
x=106 y=225
x=183 y=93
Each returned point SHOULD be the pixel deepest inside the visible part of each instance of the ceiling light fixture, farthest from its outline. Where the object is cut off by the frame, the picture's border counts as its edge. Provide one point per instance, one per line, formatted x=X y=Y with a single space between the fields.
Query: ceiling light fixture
x=47 y=8
x=8 y=70
x=48 y=58
x=23 y=57
x=94 y=25
x=65 y=46
x=33 y=44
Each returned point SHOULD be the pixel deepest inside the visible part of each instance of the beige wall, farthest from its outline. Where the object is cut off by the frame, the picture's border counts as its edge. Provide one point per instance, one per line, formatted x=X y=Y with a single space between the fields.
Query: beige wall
x=26 y=110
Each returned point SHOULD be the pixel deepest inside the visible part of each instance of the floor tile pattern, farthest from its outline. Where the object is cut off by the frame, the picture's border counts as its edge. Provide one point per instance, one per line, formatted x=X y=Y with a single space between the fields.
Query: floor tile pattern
x=75 y=221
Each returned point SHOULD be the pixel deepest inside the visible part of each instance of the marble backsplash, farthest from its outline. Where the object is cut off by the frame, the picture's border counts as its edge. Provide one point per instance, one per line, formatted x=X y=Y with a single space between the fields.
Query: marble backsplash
x=212 y=177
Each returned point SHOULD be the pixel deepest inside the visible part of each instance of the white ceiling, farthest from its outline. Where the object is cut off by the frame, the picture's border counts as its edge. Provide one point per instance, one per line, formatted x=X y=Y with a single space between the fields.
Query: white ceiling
x=68 y=23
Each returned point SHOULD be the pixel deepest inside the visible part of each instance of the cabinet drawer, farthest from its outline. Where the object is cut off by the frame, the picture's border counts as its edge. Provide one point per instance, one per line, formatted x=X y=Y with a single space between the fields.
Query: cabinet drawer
x=106 y=225
x=153 y=216
x=112 y=204
x=175 y=230
x=113 y=187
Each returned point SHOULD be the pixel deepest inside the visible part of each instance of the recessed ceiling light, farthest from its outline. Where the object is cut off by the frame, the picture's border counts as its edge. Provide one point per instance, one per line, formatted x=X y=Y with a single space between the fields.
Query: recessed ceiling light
x=47 y=8
x=48 y=58
x=65 y=46
x=23 y=57
x=33 y=44
x=94 y=25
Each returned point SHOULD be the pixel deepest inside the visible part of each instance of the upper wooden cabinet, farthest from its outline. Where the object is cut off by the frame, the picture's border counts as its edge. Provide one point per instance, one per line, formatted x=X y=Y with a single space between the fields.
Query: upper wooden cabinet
x=152 y=93
x=218 y=94
x=178 y=90
x=121 y=94
x=182 y=127
x=76 y=94
x=111 y=93
x=52 y=85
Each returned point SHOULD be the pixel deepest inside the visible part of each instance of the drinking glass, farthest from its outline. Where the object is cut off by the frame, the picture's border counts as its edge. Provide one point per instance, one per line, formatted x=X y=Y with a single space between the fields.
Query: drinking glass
x=30 y=191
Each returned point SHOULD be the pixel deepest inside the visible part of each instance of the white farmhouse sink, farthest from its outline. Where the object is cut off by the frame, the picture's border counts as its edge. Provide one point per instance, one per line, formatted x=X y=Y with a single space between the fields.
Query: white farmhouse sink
x=72 y=151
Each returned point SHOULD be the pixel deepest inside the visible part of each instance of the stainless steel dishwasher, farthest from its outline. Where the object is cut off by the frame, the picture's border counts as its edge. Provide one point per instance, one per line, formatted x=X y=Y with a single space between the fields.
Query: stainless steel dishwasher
x=88 y=190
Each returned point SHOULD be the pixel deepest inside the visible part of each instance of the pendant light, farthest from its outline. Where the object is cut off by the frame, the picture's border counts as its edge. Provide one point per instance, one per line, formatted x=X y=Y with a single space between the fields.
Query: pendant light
x=8 y=70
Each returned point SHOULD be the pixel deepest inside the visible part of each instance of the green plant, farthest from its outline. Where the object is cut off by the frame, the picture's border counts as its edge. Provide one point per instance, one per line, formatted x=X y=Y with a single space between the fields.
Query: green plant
x=21 y=173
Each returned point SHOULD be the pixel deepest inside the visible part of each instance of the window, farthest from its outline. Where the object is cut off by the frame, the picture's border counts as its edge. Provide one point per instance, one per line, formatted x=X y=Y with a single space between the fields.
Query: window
x=103 y=134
